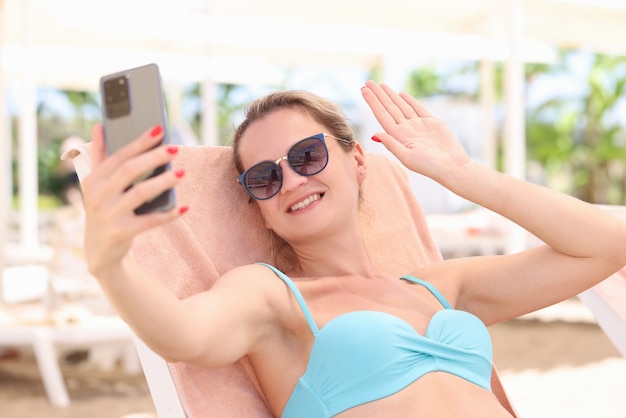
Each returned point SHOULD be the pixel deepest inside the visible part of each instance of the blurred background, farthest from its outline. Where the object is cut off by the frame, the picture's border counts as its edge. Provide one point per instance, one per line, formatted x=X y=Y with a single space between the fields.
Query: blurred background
x=534 y=88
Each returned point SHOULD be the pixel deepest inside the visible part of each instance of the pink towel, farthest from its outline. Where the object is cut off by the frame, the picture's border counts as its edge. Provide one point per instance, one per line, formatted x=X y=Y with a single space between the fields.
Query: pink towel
x=223 y=230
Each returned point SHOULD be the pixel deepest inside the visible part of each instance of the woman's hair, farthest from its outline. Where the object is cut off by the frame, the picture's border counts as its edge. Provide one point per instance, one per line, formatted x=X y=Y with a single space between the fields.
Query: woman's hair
x=321 y=111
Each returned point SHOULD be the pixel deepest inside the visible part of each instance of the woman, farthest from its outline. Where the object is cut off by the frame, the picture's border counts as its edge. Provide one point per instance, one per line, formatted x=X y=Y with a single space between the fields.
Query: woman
x=329 y=335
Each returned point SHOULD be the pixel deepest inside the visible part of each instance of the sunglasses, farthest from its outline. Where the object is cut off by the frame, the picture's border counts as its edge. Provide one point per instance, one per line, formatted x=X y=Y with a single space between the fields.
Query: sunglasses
x=306 y=157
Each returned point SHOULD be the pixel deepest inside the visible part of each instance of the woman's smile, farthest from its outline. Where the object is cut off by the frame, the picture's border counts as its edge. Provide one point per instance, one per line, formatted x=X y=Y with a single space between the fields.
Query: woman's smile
x=306 y=202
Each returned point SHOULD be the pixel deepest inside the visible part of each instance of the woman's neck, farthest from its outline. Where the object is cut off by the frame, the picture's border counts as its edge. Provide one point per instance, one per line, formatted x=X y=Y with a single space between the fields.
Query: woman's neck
x=336 y=256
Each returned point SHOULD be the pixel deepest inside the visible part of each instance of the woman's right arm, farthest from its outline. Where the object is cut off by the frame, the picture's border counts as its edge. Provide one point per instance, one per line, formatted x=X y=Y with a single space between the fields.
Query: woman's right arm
x=212 y=328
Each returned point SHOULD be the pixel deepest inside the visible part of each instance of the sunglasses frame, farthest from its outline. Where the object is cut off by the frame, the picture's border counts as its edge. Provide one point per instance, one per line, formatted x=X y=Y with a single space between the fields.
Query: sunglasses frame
x=320 y=137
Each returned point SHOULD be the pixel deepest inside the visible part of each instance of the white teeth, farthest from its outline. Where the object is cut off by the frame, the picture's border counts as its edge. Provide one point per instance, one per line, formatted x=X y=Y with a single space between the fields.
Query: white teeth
x=306 y=202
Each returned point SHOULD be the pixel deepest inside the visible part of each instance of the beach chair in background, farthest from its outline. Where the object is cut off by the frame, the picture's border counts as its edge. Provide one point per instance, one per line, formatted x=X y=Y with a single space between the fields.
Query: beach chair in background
x=223 y=230
x=36 y=330
x=54 y=308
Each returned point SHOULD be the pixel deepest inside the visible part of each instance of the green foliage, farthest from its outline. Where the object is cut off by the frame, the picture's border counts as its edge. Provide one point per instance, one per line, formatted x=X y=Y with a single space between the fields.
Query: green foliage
x=430 y=81
x=577 y=139
x=52 y=129
x=51 y=181
x=575 y=136
x=425 y=82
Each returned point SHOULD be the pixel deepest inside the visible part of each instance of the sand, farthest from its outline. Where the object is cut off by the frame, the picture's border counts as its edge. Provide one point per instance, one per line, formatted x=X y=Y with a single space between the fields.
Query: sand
x=550 y=369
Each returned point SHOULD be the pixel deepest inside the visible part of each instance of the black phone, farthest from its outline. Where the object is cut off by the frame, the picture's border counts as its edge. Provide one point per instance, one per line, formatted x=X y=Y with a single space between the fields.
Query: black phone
x=133 y=102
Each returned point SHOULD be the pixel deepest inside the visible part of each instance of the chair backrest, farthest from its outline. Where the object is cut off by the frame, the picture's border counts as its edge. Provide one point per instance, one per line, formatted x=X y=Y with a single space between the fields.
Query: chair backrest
x=223 y=230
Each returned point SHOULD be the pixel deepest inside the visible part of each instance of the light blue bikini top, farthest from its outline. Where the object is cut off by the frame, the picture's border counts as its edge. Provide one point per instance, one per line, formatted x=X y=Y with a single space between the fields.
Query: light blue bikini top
x=362 y=356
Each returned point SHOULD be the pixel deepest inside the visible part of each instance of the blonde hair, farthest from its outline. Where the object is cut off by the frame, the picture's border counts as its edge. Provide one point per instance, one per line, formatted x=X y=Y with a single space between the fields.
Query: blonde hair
x=319 y=109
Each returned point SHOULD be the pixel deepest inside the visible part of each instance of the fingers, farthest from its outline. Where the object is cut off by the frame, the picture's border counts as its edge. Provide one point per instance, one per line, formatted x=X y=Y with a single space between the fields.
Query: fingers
x=119 y=200
x=393 y=145
x=110 y=204
x=397 y=105
x=419 y=109
x=147 y=190
x=107 y=188
x=387 y=105
x=122 y=167
x=139 y=167
x=146 y=141
x=382 y=107
x=390 y=107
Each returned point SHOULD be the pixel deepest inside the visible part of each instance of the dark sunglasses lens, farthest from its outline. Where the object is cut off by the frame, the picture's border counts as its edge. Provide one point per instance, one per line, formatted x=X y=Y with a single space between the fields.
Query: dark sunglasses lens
x=263 y=180
x=308 y=157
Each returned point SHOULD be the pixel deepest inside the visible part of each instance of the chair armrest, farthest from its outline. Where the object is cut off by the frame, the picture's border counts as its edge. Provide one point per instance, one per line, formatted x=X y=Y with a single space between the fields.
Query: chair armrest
x=162 y=387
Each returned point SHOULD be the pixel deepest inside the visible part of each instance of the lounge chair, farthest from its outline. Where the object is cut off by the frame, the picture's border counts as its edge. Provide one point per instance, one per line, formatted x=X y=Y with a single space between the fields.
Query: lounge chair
x=221 y=231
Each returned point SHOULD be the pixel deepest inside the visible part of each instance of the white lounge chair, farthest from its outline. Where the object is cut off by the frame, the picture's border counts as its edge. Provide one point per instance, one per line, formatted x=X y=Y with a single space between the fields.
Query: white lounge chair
x=32 y=327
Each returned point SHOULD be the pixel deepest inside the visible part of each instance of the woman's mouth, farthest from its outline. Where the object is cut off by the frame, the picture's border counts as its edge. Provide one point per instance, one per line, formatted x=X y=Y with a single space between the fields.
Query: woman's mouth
x=306 y=202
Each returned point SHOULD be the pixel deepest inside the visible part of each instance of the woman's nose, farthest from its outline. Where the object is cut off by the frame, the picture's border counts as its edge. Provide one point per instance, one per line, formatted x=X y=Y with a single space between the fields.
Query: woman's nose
x=291 y=179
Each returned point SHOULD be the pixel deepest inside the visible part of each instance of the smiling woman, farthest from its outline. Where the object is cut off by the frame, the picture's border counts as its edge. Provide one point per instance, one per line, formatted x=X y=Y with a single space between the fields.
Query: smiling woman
x=401 y=345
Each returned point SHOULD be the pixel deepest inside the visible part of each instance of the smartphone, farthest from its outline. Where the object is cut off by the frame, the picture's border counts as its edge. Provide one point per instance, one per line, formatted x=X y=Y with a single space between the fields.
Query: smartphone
x=132 y=103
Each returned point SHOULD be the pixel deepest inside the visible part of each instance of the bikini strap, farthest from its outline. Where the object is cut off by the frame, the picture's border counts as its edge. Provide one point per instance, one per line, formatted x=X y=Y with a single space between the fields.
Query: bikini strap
x=436 y=293
x=298 y=295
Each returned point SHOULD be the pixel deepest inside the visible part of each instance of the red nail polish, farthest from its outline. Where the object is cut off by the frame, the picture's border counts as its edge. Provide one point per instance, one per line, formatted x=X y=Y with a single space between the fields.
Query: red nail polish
x=376 y=139
x=183 y=209
x=156 y=131
x=172 y=149
x=179 y=173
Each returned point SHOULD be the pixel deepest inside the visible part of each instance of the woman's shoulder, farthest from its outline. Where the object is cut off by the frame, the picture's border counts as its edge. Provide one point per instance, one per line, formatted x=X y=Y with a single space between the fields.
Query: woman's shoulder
x=253 y=270
x=446 y=276
x=256 y=277
x=263 y=282
x=247 y=273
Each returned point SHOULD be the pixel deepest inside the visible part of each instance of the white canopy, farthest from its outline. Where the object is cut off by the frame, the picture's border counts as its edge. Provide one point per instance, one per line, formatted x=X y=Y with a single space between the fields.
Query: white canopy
x=70 y=43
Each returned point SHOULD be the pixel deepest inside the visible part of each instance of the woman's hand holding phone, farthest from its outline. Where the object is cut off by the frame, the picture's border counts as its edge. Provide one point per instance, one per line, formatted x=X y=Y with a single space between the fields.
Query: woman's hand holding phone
x=110 y=203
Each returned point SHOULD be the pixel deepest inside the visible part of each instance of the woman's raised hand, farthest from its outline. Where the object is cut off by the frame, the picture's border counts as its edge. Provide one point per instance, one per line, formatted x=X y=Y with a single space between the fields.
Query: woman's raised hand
x=111 y=223
x=420 y=141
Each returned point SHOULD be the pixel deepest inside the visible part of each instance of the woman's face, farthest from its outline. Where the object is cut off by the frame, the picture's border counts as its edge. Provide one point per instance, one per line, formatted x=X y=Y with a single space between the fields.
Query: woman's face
x=304 y=206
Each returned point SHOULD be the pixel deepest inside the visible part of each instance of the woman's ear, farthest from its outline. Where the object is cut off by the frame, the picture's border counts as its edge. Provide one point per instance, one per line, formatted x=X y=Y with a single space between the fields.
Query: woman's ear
x=361 y=162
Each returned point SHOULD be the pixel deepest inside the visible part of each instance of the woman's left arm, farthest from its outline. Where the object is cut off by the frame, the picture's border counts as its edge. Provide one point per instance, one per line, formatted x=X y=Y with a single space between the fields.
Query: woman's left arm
x=584 y=244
